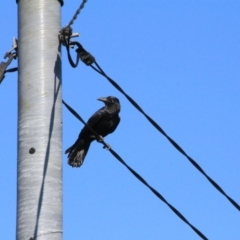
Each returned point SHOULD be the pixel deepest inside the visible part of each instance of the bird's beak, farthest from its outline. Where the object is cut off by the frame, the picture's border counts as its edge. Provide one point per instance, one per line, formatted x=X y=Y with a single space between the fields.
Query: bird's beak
x=103 y=99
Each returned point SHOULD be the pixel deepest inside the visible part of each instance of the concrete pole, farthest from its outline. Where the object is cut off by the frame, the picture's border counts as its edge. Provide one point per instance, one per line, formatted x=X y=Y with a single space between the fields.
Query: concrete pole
x=39 y=182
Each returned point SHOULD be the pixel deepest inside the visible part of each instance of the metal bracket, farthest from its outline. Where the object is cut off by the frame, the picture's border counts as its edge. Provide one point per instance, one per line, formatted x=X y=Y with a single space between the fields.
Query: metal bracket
x=66 y=34
x=64 y=37
x=85 y=56
x=14 y=47
x=11 y=54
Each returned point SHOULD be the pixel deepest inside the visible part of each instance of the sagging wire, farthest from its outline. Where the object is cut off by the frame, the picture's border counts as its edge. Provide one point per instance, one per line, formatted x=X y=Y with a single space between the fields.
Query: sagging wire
x=91 y=61
x=141 y=179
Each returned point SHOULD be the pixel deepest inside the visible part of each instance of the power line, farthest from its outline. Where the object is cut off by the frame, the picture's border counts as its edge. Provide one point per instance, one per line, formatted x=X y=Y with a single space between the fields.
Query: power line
x=141 y=179
x=76 y=14
x=191 y=160
x=89 y=60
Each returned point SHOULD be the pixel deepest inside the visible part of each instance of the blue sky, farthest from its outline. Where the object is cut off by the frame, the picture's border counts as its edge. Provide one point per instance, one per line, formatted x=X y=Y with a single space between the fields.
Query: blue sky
x=180 y=61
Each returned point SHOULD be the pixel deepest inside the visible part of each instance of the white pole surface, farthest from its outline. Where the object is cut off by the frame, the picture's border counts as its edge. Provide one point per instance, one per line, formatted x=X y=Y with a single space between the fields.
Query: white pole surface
x=39 y=186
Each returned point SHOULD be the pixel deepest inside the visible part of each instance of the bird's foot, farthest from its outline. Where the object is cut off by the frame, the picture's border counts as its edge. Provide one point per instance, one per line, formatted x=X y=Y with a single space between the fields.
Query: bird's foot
x=100 y=139
x=107 y=146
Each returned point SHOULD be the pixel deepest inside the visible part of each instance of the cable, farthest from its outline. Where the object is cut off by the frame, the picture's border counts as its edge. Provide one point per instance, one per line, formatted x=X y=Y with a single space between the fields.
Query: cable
x=82 y=121
x=193 y=162
x=141 y=179
x=74 y=65
x=76 y=14
x=82 y=54
x=11 y=70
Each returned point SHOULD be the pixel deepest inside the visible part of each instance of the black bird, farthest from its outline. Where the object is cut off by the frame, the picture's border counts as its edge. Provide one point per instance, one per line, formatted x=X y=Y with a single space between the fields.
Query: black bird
x=104 y=121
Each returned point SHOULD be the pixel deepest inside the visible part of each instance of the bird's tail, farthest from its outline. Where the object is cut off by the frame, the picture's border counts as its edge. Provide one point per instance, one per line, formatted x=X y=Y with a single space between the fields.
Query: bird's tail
x=77 y=152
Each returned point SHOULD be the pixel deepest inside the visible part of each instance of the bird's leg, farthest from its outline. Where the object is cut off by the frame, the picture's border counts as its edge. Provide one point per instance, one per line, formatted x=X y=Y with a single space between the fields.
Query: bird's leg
x=101 y=139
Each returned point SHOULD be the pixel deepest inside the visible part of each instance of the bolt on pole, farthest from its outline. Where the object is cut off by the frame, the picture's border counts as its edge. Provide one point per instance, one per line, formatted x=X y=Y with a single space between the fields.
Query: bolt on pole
x=39 y=180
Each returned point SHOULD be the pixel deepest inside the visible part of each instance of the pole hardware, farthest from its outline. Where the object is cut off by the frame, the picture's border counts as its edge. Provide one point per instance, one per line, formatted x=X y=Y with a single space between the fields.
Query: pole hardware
x=66 y=34
x=11 y=54
x=64 y=37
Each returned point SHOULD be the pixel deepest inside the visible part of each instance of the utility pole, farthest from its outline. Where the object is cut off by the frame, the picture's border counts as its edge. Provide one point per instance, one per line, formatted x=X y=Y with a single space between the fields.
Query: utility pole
x=39 y=181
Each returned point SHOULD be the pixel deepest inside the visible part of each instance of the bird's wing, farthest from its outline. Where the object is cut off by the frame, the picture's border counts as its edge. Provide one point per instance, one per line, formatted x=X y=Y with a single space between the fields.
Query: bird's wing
x=92 y=122
x=114 y=124
x=96 y=117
